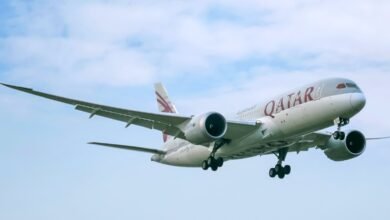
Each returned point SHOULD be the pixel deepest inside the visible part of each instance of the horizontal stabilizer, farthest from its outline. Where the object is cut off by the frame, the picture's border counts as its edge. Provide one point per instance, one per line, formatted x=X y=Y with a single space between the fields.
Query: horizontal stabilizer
x=126 y=147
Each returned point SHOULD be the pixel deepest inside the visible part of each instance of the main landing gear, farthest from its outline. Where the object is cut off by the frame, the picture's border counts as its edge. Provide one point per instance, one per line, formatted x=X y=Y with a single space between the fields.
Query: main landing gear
x=340 y=122
x=280 y=170
x=212 y=162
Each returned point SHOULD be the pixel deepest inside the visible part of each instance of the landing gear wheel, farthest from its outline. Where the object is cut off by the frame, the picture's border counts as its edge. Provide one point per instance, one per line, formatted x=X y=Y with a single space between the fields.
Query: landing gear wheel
x=281 y=171
x=342 y=135
x=287 y=169
x=214 y=166
x=340 y=122
x=336 y=135
x=219 y=161
x=339 y=135
x=213 y=162
x=210 y=161
x=272 y=172
x=281 y=175
x=278 y=168
x=205 y=165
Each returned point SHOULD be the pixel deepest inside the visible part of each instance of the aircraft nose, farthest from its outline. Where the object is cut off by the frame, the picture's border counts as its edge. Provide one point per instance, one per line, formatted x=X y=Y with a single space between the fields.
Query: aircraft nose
x=358 y=101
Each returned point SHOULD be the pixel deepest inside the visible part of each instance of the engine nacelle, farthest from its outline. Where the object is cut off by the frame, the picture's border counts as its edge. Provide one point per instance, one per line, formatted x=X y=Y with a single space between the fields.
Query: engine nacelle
x=206 y=128
x=352 y=146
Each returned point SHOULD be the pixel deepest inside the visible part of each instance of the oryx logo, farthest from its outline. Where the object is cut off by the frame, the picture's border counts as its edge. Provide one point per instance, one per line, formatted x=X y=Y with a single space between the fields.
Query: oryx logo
x=166 y=107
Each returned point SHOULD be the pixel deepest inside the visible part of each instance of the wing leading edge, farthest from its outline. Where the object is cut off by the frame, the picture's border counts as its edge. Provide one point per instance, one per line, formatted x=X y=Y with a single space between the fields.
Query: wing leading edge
x=163 y=122
x=167 y=123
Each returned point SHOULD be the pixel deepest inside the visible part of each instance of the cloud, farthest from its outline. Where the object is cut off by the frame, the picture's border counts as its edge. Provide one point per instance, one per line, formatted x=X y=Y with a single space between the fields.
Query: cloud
x=120 y=43
x=256 y=45
x=213 y=55
x=228 y=48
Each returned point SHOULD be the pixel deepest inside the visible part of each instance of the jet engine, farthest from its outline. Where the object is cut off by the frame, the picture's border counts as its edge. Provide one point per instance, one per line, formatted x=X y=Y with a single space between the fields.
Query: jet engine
x=353 y=145
x=206 y=128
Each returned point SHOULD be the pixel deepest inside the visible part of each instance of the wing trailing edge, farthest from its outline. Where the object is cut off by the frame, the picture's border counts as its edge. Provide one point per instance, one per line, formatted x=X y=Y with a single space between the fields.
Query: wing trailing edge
x=133 y=148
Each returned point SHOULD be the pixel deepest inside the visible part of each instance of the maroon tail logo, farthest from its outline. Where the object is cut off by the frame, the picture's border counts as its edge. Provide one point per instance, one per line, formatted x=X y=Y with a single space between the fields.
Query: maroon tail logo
x=164 y=104
x=166 y=108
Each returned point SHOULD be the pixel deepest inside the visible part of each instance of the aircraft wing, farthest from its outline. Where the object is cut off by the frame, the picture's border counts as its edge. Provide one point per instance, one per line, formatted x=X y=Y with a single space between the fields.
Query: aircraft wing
x=318 y=140
x=167 y=123
x=304 y=143
x=313 y=140
x=127 y=147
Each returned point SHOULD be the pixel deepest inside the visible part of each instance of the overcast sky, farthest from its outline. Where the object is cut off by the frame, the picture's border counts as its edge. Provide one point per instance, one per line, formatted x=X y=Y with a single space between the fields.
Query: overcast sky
x=211 y=55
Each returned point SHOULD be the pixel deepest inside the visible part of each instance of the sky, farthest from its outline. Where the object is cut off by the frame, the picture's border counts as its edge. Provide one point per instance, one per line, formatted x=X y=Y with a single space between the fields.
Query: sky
x=211 y=55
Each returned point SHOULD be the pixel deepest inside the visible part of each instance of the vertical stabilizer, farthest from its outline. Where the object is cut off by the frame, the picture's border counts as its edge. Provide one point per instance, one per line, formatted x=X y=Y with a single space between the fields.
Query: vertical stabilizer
x=164 y=103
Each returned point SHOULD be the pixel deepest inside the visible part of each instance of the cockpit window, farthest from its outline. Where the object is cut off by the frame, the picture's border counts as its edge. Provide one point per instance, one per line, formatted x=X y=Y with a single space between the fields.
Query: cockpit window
x=347 y=85
x=341 y=86
x=351 y=85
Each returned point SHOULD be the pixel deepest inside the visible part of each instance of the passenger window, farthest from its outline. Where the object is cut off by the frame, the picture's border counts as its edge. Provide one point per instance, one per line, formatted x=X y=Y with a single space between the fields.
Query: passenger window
x=341 y=86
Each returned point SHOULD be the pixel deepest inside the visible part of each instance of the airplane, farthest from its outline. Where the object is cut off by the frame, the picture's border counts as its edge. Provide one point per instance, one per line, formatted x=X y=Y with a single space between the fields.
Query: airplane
x=291 y=122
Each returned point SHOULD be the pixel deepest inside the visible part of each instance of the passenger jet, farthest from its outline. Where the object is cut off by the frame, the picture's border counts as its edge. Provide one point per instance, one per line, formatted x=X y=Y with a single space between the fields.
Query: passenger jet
x=287 y=123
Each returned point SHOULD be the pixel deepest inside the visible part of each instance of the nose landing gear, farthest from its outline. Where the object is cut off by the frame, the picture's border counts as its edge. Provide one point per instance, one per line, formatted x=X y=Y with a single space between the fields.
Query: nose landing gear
x=340 y=122
x=280 y=170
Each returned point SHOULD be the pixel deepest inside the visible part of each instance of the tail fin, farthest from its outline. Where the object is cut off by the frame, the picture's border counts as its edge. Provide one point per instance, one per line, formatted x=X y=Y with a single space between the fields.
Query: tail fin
x=164 y=104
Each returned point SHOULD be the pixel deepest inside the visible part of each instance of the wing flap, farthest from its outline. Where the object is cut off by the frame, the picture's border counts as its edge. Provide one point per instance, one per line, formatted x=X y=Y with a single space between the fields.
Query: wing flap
x=127 y=147
x=239 y=129
x=299 y=143
x=130 y=119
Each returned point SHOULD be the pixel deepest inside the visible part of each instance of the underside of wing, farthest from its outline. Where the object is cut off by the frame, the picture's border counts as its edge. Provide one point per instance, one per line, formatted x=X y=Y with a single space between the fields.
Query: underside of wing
x=127 y=147
x=319 y=140
x=308 y=141
x=299 y=143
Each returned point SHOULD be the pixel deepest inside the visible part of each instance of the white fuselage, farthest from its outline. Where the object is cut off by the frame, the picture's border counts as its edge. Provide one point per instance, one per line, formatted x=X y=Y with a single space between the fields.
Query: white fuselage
x=299 y=112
